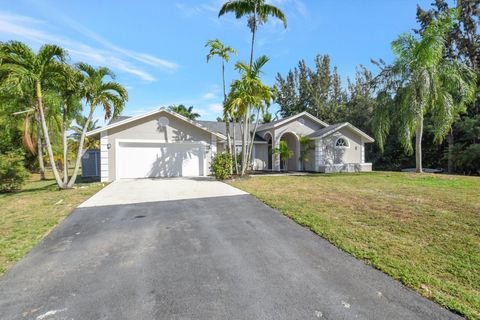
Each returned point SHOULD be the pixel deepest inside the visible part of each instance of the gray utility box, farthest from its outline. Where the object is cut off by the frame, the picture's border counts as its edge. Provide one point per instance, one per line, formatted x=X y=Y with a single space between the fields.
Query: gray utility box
x=91 y=164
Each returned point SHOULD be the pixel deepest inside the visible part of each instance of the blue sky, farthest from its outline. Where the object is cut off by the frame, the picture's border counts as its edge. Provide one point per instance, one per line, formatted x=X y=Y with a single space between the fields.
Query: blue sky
x=156 y=48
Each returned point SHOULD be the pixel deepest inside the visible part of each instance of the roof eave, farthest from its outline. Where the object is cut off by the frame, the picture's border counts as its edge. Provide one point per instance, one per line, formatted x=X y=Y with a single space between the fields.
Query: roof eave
x=128 y=120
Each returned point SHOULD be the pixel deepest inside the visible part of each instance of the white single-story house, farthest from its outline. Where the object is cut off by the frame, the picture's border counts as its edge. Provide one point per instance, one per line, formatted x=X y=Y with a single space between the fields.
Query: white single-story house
x=163 y=143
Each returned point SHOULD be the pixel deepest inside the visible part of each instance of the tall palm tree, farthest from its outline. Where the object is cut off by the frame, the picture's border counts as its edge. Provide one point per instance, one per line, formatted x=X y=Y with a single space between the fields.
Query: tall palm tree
x=423 y=81
x=22 y=66
x=257 y=11
x=248 y=92
x=96 y=91
x=217 y=48
x=69 y=87
x=184 y=111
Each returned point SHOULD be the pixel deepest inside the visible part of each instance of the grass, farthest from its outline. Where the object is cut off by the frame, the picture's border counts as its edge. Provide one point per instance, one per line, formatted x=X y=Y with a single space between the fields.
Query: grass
x=28 y=215
x=423 y=230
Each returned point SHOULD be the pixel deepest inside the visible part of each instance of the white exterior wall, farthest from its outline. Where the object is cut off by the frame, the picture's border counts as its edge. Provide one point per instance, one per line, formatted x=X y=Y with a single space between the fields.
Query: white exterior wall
x=177 y=131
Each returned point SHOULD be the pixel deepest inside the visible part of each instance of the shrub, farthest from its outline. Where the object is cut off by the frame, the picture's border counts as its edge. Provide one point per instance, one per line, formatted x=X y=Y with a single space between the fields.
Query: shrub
x=12 y=171
x=221 y=165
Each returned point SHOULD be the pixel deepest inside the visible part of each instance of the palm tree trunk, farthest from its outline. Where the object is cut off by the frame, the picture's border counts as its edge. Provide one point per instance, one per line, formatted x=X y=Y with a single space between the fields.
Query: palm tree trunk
x=450 y=141
x=65 y=148
x=246 y=131
x=226 y=118
x=80 y=149
x=254 y=30
x=418 y=145
x=244 y=144
x=46 y=135
x=41 y=164
x=253 y=137
x=234 y=147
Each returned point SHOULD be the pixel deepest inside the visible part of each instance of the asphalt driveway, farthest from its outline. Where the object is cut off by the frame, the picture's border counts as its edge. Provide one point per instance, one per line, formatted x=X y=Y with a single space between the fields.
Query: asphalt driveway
x=195 y=249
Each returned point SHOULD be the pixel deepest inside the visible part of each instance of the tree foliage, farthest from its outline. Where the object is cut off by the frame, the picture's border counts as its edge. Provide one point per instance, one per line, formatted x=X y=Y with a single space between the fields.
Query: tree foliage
x=184 y=111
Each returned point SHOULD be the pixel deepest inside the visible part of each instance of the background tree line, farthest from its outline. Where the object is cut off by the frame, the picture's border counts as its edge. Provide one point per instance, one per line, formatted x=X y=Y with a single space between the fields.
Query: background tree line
x=320 y=90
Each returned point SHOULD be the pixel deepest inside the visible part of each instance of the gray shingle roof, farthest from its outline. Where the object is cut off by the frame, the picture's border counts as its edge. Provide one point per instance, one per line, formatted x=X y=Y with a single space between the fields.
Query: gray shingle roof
x=221 y=127
x=118 y=119
x=214 y=126
x=325 y=130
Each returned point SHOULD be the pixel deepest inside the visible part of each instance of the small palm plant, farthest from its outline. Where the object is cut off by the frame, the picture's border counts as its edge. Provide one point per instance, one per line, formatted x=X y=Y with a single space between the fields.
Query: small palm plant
x=284 y=153
x=305 y=148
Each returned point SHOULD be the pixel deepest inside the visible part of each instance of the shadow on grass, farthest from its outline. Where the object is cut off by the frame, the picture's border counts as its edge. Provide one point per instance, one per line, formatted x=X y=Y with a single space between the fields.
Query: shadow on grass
x=49 y=184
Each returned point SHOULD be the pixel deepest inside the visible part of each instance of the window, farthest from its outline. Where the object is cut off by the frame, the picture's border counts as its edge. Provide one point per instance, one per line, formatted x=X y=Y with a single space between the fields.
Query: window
x=341 y=143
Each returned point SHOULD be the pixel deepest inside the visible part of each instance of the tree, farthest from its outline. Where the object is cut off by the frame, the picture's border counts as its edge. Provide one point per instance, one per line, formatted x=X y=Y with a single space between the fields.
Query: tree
x=245 y=93
x=69 y=87
x=19 y=101
x=305 y=148
x=111 y=95
x=21 y=66
x=284 y=153
x=217 y=48
x=89 y=143
x=462 y=43
x=258 y=13
x=423 y=81
x=184 y=111
x=318 y=91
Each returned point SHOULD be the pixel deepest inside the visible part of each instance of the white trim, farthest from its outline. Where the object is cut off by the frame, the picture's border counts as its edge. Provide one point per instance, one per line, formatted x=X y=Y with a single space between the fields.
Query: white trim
x=362 y=156
x=160 y=142
x=283 y=121
x=288 y=131
x=265 y=134
x=346 y=124
x=104 y=169
x=123 y=122
x=344 y=139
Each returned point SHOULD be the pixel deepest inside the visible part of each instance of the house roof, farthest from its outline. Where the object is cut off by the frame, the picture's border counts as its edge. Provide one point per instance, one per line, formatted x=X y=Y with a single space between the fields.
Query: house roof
x=335 y=127
x=122 y=120
x=118 y=119
x=221 y=127
x=278 y=123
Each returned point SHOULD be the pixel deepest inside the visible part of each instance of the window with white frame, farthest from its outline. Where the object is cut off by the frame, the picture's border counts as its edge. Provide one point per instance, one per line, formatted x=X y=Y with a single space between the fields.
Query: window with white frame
x=342 y=143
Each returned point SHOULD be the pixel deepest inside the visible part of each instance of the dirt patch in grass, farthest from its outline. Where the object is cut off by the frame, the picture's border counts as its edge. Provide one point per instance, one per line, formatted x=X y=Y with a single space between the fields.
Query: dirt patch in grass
x=28 y=215
x=423 y=230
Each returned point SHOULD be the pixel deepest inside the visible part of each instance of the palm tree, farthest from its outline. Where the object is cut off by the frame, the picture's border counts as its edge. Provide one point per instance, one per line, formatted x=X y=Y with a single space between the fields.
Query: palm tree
x=248 y=92
x=89 y=143
x=109 y=94
x=305 y=148
x=69 y=86
x=257 y=11
x=217 y=48
x=423 y=82
x=184 y=111
x=21 y=66
x=284 y=153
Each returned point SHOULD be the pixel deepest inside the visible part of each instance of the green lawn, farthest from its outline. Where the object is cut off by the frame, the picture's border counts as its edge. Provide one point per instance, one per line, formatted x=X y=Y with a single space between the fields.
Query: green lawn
x=28 y=215
x=421 y=229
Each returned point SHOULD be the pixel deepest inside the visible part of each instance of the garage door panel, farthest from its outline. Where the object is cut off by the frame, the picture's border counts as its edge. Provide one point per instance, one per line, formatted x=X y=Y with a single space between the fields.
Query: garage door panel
x=151 y=160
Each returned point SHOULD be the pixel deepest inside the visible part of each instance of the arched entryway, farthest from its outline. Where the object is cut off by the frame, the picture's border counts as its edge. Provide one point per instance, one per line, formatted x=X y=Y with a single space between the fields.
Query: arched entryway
x=293 y=164
x=269 y=139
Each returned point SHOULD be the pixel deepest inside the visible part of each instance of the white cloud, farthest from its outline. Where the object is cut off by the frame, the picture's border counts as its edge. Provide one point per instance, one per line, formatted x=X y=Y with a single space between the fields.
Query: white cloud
x=215 y=107
x=209 y=96
x=27 y=28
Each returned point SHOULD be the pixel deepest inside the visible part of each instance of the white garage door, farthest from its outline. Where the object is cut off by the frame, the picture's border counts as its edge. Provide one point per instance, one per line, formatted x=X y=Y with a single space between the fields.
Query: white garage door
x=153 y=160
